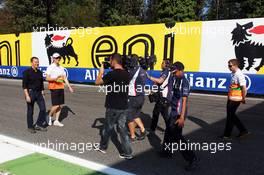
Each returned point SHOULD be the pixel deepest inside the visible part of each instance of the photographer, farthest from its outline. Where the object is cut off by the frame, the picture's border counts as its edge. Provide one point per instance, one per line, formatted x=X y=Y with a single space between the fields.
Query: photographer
x=136 y=98
x=162 y=97
x=116 y=104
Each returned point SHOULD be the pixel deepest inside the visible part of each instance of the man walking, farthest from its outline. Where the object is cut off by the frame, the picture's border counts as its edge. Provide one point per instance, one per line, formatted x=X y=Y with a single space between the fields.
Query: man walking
x=163 y=102
x=34 y=92
x=136 y=99
x=236 y=95
x=173 y=132
x=116 y=104
x=56 y=77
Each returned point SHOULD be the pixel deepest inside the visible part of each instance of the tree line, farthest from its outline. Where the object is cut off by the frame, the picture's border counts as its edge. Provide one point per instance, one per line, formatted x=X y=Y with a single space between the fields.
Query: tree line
x=23 y=15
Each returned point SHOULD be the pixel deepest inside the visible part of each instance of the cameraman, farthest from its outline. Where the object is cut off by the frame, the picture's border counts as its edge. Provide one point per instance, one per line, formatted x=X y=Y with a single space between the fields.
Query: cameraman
x=136 y=98
x=163 y=96
x=116 y=104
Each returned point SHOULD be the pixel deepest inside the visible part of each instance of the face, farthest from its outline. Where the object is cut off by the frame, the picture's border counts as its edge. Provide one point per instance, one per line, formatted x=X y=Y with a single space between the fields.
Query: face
x=112 y=63
x=232 y=67
x=35 y=63
x=163 y=65
x=178 y=73
x=57 y=60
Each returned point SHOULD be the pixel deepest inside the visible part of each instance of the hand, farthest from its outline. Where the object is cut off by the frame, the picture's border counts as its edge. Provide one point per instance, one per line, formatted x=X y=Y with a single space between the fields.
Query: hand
x=243 y=101
x=180 y=122
x=101 y=70
x=71 y=89
x=28 y=99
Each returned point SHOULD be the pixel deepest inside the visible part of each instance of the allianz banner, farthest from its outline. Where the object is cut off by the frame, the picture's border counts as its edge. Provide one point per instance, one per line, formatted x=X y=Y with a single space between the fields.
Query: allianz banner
x=204 y=48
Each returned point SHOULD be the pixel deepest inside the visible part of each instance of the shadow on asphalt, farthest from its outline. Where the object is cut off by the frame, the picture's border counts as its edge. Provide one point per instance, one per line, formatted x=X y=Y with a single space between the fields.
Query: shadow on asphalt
x=246 y=156
x=65 y=112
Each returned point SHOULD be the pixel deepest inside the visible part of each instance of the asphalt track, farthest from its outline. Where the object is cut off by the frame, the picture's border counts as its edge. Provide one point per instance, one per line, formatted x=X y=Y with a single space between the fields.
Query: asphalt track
x=83 y=115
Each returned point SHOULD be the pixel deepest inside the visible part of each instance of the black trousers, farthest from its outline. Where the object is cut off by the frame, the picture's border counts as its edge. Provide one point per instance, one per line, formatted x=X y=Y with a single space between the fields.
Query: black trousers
x=36 y=97
x=159 y=109
x=173 y=134
x=232 y=119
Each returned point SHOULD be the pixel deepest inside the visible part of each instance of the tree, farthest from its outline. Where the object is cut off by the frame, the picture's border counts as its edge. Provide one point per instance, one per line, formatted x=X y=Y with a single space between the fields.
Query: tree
x=234 y=9
x=253 y=8
x=176 y=10
x=121 y=12
x=78 y=13
x=26 y=14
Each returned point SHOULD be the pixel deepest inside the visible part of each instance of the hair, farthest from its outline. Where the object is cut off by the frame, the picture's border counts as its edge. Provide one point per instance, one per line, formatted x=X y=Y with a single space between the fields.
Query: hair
x=32 y=58
x=178 y=66
x=167 y=62
x=234 y=62
x=117 y=57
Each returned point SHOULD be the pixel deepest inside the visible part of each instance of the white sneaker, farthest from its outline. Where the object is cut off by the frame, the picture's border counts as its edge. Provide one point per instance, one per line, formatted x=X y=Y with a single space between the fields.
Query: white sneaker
x=50 y=121
x=57 y=123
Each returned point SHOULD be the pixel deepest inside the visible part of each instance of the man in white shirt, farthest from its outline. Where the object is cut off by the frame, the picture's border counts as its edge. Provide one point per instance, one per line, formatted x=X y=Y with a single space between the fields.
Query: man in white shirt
x=56 y=77
x=236 y=95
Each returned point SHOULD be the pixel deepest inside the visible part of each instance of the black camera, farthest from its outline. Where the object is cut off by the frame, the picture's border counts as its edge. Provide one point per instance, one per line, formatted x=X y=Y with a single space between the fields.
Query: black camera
x=144 y=62
x=148 y=62
x=106 y=63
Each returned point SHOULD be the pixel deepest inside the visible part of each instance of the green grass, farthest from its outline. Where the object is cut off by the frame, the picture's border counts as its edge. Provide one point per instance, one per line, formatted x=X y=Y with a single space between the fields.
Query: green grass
x=39 y=164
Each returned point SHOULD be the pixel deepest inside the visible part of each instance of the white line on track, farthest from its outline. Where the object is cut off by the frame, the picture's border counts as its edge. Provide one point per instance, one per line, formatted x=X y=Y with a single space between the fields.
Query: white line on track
x=68 y=158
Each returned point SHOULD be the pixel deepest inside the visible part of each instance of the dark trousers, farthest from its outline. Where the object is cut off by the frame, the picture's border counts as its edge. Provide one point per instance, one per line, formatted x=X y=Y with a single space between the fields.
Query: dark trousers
x=116 y=117
x=159 y=109
x=173 y=134
x=37 y=97
x=232 y=119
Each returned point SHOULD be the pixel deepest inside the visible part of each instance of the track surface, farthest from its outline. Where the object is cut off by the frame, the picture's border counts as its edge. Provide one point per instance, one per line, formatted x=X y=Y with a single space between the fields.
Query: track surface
x=83 y=115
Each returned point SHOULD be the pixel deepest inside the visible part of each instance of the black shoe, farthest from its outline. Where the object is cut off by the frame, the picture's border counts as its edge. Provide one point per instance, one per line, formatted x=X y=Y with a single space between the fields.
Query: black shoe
x=32 y=130
x=124 y=156
x=39 y=128
x=193 y=164
x=225 y=138
x=142 y=135
x=243 y=134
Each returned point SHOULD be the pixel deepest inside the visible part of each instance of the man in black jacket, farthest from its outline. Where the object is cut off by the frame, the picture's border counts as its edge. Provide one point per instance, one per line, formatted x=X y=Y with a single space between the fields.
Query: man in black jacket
x=34 y=92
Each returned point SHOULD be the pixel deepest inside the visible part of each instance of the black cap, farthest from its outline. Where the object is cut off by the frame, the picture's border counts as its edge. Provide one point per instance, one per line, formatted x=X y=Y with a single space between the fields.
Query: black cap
x=177 y=66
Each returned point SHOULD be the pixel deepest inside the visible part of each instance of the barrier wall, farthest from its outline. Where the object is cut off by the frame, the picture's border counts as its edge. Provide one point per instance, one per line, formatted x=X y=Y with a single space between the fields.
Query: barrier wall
x=204 y=48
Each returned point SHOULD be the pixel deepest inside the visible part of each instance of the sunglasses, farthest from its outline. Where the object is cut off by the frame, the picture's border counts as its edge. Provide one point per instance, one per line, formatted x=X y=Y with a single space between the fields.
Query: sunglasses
x=58 y=58
x=230 y=66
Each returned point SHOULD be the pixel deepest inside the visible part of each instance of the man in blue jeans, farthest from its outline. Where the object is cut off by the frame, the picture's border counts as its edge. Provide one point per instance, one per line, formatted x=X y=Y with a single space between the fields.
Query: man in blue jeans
x=34 y=92
x=116 y=104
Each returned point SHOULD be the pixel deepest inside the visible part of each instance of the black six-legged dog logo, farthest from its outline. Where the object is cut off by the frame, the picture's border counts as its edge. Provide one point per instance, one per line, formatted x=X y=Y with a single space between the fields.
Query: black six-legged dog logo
x=66 y=50
x=246 y=48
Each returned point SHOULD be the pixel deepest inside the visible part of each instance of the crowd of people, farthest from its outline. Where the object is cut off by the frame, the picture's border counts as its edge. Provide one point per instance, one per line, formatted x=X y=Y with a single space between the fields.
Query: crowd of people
x=123 y=105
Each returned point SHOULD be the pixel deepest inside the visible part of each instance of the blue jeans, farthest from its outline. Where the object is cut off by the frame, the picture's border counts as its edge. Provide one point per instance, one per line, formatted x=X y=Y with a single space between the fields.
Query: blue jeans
x=36 y=96
x=116 y=117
